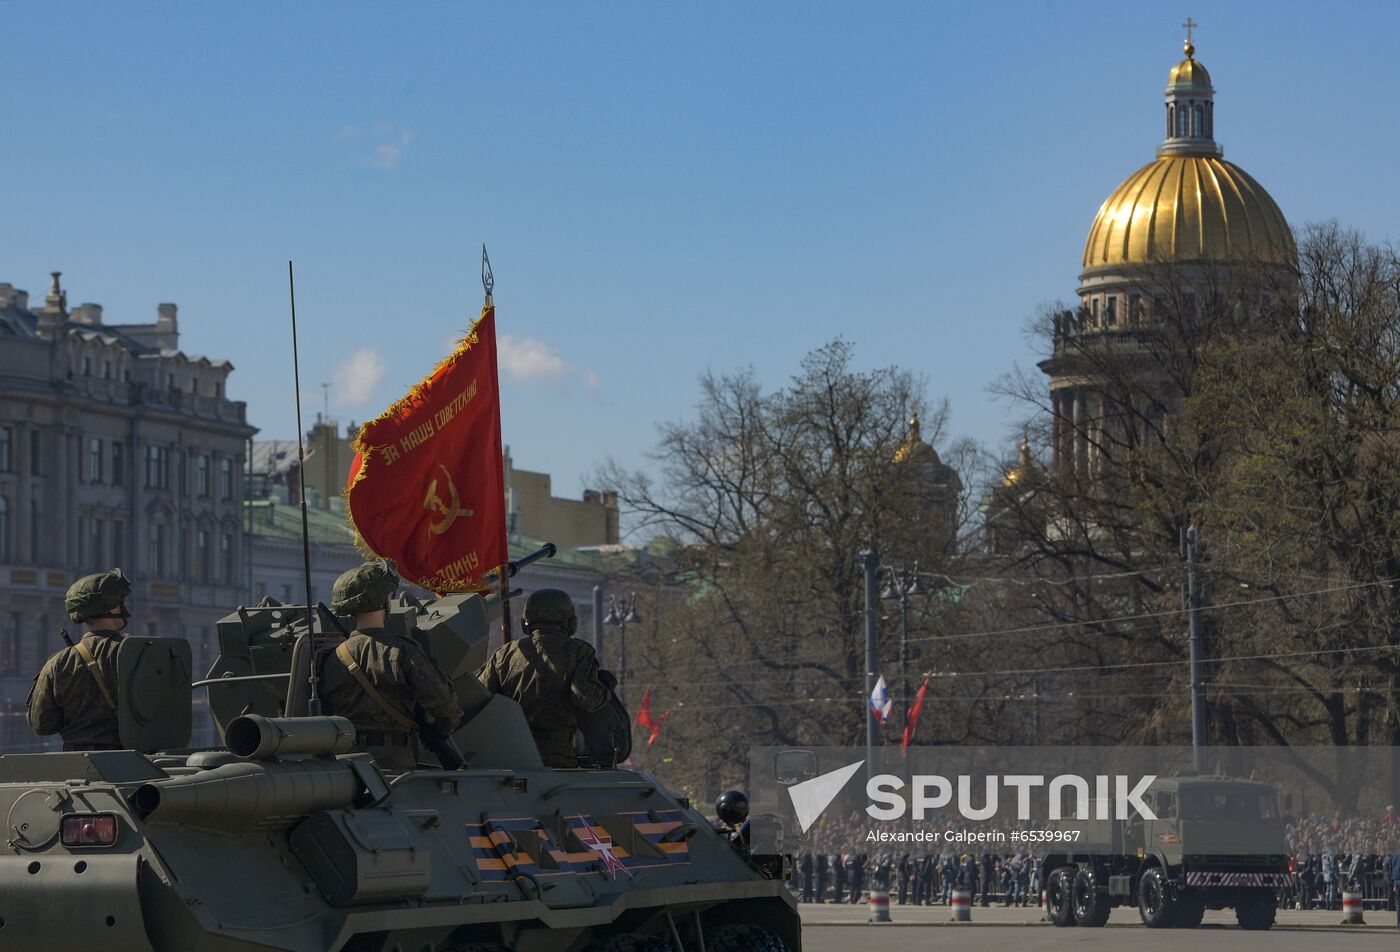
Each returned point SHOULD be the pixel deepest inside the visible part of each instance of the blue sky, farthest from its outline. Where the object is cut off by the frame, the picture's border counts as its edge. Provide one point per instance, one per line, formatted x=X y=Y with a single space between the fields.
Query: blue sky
x=665 y=188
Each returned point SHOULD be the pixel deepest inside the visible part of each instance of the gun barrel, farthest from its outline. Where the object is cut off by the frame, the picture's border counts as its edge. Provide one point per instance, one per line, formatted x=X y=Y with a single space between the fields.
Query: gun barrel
x=546 y=551
x=254 y=737
x=239 y=798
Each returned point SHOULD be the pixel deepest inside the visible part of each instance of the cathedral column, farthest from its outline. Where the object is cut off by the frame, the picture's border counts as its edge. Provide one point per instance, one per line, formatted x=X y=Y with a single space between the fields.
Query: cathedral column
x=1081 y=433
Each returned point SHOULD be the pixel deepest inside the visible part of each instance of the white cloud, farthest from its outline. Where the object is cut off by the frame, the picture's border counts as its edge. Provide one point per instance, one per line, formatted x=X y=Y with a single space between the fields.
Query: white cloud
x=387 y=154
x=528 y=360
x=381 y=145
x=357 y=377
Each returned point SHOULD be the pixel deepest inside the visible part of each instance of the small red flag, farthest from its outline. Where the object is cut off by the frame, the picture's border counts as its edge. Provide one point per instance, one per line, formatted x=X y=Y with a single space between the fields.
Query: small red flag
x=426 y=485
x=645 y=718
x=914 y=717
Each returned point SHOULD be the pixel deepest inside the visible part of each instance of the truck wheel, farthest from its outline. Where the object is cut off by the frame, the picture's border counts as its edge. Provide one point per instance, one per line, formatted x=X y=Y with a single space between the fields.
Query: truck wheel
x=1189 y=913
x=1059 y=901
x=737 y=938
x=1091 y=907
x=1154 y=902
x=1257 y=912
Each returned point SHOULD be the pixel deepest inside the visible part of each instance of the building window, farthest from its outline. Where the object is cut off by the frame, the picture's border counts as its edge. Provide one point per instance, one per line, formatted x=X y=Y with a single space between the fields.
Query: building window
x=1111 y=311
x=194 y=385
x=106 y=370
x=156 y=556
x=87 y=366
x=226 y=557
x=9 y=646
x=201 y=476
x=7 y=441
x=218 y=389
x=1135 y=308
x=118 y=463
x=1181 y=122
x=202 y=545
x=36 y=545
x=97 y=545
x=157 y=467
x=169 y=381
x=5 y=547
x=1198 y=121
x=35 y=446
x=94 y=460
x=225 y=478
x=118 y=541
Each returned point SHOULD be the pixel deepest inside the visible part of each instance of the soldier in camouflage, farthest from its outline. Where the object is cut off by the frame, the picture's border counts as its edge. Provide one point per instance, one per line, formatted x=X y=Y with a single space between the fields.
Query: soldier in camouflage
x=552 y=675
x=75 y=694
x=376 y=678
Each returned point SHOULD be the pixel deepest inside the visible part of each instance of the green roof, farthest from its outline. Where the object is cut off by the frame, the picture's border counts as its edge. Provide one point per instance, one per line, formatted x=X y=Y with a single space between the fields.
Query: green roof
x=276 y=520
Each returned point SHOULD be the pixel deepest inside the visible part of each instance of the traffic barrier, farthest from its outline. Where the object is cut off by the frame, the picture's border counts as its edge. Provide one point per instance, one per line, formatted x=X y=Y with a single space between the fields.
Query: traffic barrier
x=1044 y=910
x=1352 y=909
x=879 y=905
x=962 y=905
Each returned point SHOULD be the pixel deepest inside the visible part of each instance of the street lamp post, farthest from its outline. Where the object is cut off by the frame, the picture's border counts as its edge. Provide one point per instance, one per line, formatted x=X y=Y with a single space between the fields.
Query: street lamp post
x=869 y=562
x=900 y=585
x=620 y=615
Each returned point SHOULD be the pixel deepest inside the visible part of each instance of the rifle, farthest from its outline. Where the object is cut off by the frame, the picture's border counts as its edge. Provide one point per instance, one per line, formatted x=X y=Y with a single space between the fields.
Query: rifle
x=67 y=638
x=435 y=740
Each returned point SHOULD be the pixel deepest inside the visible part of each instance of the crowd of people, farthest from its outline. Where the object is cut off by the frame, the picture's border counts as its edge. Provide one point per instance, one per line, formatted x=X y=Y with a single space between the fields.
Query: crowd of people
x=1329 y=855
x=920 y=879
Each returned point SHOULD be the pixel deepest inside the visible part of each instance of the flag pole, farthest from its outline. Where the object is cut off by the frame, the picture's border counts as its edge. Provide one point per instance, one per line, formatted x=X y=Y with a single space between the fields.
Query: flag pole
x=488 y=284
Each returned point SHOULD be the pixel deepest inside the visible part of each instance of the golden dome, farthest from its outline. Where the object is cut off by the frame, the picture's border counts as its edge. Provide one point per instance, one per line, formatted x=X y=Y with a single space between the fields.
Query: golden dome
x=1188 y=208
x=1022 y=471
x=914 y=448
x=1188 y=72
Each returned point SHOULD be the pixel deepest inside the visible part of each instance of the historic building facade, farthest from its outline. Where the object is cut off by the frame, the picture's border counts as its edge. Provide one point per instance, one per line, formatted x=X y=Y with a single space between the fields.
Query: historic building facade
x=1164 y=238
x=116 y=449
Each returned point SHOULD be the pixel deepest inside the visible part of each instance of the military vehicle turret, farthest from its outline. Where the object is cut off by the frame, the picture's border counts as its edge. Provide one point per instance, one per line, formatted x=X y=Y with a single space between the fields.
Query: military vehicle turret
x=1216 y=844
x=283 y=838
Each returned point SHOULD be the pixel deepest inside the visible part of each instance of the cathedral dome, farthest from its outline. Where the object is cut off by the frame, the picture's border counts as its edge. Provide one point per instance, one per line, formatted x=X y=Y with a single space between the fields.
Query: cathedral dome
x=1188 y=208
x=1189 y=204
x=1188 y=72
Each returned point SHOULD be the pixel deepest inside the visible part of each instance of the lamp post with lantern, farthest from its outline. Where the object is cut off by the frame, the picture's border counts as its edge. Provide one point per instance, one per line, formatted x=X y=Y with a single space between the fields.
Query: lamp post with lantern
x=622 y=613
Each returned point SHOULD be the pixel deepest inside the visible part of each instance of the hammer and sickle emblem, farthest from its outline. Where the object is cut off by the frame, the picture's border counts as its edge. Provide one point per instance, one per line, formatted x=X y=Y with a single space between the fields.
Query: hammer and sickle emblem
x=433 y=503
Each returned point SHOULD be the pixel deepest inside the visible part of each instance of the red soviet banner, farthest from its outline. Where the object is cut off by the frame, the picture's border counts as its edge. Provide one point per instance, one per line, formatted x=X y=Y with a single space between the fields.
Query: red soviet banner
x=426 y=485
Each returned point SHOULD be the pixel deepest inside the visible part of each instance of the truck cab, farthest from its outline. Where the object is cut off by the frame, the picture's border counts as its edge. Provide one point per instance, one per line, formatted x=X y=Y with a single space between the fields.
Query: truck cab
x=1215 y=843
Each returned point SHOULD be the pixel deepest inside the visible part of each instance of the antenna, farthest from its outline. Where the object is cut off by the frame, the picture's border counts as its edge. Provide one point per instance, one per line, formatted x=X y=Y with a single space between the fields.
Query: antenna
x=488 y=284
x=313 y=701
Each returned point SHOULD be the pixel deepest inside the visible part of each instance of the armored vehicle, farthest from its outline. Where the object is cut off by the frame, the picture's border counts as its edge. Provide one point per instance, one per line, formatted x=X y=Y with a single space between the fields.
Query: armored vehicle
x=1216 y=844
x=284 y=838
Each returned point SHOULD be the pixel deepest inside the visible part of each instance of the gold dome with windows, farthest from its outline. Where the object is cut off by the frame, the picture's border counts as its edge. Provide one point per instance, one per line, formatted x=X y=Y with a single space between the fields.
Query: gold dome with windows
x=1189 y=204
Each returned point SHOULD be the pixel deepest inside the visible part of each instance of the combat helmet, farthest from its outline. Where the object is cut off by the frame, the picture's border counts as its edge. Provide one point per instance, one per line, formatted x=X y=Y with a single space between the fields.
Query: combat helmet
x=549 y=606
x=102 y=595
x=365 y=588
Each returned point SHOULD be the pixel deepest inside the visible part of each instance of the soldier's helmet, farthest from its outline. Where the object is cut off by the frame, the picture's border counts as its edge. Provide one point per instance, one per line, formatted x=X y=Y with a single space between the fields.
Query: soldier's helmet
x=102 y=595
x=549 y=606
x=365 y=588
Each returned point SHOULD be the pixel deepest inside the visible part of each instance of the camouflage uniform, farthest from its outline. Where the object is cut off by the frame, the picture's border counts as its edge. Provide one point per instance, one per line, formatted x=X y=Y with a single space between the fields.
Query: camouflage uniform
x=398 y=668
x=66 y=698
x=552 y=675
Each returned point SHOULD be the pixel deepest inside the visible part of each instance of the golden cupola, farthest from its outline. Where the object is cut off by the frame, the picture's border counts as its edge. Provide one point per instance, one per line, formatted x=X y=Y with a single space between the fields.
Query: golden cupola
x=1189 y=204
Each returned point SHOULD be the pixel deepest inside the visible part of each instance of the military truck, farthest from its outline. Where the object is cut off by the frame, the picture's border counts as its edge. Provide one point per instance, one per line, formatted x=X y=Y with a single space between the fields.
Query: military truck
x=283 y=838
x=1216 y=844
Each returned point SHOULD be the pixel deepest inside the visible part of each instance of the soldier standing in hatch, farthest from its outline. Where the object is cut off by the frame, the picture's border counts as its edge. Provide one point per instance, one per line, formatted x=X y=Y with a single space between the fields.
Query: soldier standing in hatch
x=551 y=674
x=376 y=678
x=75 y=694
